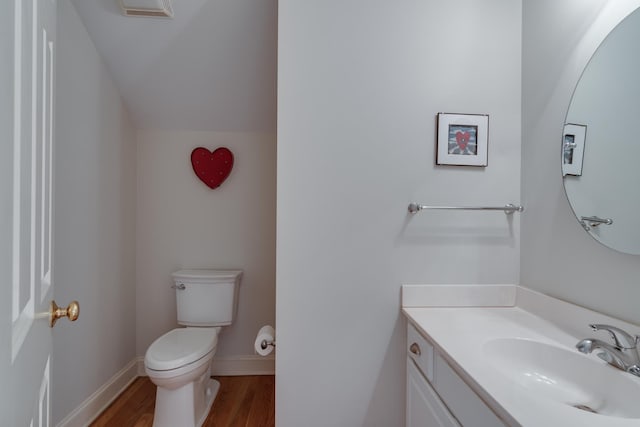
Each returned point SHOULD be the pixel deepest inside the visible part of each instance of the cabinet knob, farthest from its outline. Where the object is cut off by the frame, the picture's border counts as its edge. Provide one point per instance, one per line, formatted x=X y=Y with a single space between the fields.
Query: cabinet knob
x=415 y=349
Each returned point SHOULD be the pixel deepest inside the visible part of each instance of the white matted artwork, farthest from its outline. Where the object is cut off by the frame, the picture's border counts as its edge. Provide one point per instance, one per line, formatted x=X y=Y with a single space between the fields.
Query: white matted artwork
x=462 y=139
x=573 y=139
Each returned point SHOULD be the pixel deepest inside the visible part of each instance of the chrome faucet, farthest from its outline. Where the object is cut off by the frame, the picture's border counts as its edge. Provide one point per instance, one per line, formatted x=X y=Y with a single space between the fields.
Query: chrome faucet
x=623 y=353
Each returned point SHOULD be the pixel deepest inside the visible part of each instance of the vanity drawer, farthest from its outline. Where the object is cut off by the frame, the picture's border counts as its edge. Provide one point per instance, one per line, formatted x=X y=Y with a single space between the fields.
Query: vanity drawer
x=420 y=351
x=461 y=400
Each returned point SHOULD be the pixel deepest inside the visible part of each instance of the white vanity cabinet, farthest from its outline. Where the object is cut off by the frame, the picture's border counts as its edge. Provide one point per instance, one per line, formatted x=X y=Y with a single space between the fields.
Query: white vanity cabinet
x=424 y=407
x=436 y=395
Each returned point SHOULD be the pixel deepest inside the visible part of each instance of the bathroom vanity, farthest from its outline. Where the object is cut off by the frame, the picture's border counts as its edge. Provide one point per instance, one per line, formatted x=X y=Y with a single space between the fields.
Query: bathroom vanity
x=488 y=356
x=436 y=395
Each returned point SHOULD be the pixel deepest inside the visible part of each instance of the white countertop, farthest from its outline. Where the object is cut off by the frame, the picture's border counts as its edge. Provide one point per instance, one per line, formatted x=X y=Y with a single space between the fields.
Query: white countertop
x=459 y=333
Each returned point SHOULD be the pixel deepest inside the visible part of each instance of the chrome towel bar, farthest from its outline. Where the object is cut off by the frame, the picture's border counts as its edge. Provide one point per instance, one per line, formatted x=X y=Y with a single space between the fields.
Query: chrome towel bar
x=589 y=222
x=508 y=209
x=595 y=221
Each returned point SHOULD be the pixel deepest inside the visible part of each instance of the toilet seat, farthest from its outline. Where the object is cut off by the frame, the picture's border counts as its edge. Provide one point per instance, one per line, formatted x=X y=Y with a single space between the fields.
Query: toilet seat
x=180 y=347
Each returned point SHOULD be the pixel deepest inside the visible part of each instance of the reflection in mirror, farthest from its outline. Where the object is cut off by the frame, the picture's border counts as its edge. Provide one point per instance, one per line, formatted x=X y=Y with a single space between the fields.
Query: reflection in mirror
x=601 y=141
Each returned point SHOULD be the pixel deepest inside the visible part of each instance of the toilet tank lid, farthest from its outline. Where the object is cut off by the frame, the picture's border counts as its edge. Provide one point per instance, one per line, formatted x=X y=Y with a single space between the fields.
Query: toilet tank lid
x=203 y=274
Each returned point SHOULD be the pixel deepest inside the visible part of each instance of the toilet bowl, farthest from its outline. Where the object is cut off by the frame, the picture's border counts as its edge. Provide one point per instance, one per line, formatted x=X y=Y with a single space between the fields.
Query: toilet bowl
x=179 y=362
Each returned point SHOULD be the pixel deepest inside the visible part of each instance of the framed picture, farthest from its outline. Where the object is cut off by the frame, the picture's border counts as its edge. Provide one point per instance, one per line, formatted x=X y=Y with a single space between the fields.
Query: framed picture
x=573 y=139
x=462 y=139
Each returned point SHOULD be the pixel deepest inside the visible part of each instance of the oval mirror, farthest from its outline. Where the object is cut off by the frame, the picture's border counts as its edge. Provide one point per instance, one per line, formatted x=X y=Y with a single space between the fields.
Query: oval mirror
x=600 y=148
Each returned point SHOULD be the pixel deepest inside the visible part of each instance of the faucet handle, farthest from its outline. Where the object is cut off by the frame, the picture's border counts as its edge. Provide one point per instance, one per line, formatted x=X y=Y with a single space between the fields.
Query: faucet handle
x=622 y=339
x=635 y=370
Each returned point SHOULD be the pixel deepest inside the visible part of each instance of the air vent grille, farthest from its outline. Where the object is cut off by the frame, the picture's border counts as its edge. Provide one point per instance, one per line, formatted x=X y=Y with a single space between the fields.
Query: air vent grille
x=152 y=8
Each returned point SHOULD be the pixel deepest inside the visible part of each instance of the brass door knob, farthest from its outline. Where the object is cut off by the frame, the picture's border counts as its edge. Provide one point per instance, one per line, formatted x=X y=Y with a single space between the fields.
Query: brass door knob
x=415 y=349
x=72 y=312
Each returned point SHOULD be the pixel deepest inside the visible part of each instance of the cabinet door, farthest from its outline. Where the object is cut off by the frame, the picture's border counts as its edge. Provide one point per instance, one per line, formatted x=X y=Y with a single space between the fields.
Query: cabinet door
x=424 y=408
x=461 y=400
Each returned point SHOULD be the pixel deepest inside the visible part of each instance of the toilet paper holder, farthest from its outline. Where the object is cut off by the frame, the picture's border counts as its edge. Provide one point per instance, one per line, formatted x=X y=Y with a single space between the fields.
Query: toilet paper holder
x=264 y=344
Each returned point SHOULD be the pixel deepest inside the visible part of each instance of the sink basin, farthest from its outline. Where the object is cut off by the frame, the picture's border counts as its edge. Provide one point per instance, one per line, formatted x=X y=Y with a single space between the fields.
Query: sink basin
x=566 y=377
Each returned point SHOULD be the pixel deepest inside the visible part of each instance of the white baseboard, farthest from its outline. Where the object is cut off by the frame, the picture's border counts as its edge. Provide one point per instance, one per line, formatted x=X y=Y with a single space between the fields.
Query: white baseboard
x=93 y=406
x=244 y=365
x=141 y=371
x=234 y=365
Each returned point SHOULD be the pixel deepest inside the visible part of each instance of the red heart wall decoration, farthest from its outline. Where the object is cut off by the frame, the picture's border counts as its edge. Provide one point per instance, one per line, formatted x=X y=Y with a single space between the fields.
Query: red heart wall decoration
x=212 y=167
x=462 y=138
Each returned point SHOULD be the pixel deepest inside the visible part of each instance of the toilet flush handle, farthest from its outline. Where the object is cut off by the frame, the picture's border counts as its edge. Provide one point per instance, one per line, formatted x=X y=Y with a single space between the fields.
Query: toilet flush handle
x=181 y=286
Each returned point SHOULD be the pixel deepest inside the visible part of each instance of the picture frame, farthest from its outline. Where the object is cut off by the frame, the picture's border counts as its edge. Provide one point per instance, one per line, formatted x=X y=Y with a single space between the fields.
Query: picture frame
x=573 y=140
x=462 y=139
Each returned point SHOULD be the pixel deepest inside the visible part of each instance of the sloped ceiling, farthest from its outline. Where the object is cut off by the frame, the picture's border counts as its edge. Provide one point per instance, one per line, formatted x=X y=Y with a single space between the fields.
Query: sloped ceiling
x=210 y=68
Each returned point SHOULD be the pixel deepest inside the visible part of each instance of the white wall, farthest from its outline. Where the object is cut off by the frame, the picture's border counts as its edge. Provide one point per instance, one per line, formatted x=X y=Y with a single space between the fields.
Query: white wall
x=558 y=257
x=94 y=220
x=181 y=223
x=360 y=83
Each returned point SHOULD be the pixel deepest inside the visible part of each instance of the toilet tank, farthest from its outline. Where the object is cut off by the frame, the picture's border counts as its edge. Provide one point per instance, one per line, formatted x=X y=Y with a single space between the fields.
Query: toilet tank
x=207 y=297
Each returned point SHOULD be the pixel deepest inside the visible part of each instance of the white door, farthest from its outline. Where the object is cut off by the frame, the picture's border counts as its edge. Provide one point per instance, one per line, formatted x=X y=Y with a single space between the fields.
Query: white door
x=27 y=43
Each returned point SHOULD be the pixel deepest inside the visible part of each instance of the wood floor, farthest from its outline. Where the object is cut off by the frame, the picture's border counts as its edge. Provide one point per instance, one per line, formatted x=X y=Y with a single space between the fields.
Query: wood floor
x=243 y=401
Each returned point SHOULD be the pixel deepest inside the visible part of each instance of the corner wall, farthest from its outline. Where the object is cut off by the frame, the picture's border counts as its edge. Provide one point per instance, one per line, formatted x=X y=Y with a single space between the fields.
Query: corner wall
x=558 y=257
x=182 y=223
x=95 y=194
x=359 y=86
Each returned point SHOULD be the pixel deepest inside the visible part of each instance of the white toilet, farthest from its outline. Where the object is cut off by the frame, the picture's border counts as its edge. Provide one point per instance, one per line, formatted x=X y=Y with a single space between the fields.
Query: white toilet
x=179 y=362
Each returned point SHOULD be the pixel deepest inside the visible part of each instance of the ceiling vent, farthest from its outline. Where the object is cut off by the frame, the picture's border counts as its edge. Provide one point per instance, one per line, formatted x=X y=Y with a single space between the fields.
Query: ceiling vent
x=154 y=8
